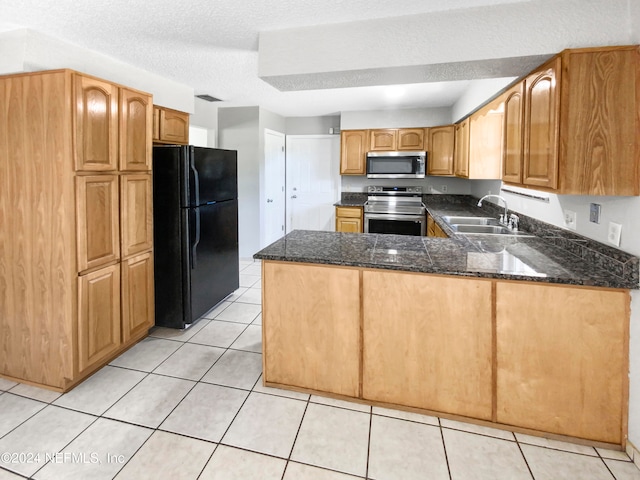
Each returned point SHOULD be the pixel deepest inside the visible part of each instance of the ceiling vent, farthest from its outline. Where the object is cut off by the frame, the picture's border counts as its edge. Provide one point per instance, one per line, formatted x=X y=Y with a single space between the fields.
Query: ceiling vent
x=208 y=98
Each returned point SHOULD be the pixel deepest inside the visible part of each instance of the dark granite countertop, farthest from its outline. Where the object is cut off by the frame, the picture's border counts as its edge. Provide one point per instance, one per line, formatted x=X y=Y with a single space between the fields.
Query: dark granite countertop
x=549 y=256
x=351 y=199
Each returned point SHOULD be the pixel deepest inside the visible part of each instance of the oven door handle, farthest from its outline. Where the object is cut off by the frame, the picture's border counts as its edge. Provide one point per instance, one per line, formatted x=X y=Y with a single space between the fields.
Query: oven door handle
x=391 y=216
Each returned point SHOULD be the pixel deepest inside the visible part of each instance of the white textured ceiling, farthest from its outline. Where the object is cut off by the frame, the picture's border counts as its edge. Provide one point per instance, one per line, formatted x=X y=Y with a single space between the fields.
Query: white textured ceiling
x=212 y=45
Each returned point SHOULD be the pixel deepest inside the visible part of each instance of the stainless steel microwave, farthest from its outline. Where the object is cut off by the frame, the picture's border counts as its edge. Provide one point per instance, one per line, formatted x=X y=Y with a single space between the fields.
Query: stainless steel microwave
x=396 y=164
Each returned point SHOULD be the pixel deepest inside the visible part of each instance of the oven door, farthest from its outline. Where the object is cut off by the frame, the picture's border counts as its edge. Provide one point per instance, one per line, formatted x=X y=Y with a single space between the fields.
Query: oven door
x=396 y=224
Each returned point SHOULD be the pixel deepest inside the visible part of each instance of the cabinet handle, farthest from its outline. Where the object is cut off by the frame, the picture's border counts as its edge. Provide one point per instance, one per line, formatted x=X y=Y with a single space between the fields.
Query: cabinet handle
x=294 y=196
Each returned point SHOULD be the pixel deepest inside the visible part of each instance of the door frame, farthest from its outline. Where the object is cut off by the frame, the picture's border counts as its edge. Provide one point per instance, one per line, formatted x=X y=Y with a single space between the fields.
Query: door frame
x=263 y=190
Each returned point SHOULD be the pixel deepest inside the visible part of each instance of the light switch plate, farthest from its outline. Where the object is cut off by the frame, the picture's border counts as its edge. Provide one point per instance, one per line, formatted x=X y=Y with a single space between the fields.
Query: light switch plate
x=615 y=230
x=594 y=213
x=570 y=219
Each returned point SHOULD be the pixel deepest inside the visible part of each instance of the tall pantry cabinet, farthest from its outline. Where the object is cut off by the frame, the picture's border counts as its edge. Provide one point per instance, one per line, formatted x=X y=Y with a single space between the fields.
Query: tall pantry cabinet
x=76 y=239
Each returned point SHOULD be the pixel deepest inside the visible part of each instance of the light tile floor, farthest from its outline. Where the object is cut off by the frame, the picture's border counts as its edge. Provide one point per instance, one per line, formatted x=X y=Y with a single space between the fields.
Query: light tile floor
x=191 y=405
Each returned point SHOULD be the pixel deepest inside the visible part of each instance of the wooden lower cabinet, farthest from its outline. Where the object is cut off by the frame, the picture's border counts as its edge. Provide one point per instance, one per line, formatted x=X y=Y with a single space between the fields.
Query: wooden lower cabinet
x=423 y=347
x=349 y=219
x=311 y=318
x=547 y=359
x=137 y=296
x=562 y=365
x=98 y=316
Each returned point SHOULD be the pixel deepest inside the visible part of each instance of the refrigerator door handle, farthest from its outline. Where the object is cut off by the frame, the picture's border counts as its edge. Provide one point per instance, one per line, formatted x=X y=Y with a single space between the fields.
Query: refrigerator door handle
x=194 y=247
x=196 y=181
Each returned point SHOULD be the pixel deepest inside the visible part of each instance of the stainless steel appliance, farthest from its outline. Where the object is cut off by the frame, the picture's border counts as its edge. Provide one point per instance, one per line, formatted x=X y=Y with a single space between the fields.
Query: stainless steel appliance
x=396 y=164
x=195 y=217
x=396 y=210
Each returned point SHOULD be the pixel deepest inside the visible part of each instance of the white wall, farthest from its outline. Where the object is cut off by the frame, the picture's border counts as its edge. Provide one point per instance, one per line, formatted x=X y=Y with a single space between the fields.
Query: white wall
x=242 y=129
x=312 y=125
x=404 y=118
x=238 y=130
x=479 y=92
x=42 y=52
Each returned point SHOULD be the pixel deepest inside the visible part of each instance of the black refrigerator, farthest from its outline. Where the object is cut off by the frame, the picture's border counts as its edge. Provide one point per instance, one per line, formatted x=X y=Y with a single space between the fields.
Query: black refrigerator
x=195 y=215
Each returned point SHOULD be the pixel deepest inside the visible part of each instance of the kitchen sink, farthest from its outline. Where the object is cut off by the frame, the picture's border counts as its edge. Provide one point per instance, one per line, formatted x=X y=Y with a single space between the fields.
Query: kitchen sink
x=487 y=230
x=470 y=220
x=479 y=226
x=494 y=229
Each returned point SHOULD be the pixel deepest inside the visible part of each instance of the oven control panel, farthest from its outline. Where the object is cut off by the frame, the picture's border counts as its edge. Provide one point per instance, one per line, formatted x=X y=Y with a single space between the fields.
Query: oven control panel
x=393 y=190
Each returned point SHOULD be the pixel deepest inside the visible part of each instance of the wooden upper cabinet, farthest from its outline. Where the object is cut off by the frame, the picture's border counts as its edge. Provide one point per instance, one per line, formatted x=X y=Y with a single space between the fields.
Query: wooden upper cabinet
x=383 y=140
x=393 y=139
x=461 y=155
x=96 y=122
x=411 y=139
x=541 y=116
x=97 y=220
x=136 y=197
x=156 y=124
x=485 y=141
x=441 y=147
x=136 y=122
x=512 y=134
x=174 y=126
x=353 y=149
x=98 y=316
x=600 y=124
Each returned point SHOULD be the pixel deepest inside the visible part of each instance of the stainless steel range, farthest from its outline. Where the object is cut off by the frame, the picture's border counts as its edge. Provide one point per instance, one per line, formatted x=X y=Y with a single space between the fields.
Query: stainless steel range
x=396 y=210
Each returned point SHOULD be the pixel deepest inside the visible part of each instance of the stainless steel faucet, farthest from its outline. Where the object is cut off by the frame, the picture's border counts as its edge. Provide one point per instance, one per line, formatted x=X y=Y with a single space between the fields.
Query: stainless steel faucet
x=503 y=217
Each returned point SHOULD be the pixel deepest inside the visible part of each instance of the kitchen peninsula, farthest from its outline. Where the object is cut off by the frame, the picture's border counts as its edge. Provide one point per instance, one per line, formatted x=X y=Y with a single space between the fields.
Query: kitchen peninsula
x=523 y=332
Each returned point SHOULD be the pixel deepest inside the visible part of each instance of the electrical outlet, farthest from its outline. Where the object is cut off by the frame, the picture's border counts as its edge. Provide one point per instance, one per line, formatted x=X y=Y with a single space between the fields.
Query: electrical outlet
x=615 y=230
x=594 y=213
x=570 y=219
x=444 y=188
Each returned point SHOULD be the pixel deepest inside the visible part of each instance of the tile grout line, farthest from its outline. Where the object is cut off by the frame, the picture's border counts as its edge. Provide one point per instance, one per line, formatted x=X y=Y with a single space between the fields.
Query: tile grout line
x=444 y=447
x=366 y=470
x=526 y=462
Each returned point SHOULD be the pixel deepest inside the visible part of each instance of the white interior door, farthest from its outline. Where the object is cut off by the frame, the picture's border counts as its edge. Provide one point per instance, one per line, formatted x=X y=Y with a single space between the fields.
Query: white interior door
x=273 y=199
x=313 y=181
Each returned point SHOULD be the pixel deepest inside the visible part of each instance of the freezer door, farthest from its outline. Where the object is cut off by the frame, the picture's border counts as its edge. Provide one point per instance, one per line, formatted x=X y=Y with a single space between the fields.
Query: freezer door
x=213 y=175
x=213 y=255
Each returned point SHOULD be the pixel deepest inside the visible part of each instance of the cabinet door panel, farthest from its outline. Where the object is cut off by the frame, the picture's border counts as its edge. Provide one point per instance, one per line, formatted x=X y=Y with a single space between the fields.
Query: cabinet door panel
x=135 y=131
x=440 y=156
x=382 y=140
x=96 y=122
x=156 y=123
x=425 y=348
x=562 y=361
x=311 y=327
x=513 y=128
x=98 y=316
x=542 y=112
x=98 y=220
x=136 y=217
x=461 y=157
x=411 y=139
x=352 y=152
x=137 y=296
x=174 y=126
